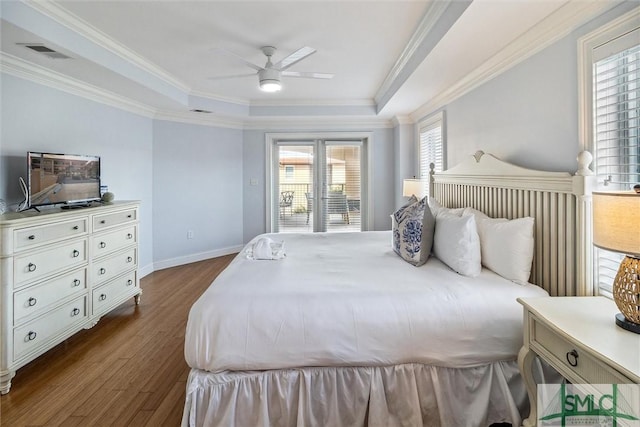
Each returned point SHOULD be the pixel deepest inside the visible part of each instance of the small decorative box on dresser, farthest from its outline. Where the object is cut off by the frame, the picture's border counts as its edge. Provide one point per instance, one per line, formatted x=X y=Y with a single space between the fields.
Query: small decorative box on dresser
x=578 y=336
x=60 y=271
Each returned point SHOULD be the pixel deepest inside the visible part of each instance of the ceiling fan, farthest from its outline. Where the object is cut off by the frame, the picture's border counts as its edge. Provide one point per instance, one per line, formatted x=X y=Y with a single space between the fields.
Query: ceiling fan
x=270 y=75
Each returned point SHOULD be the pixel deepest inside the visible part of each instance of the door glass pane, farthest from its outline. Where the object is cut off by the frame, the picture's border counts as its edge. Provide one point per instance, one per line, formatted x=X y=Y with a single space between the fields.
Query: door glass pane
x=342 y=187
x=295 y=188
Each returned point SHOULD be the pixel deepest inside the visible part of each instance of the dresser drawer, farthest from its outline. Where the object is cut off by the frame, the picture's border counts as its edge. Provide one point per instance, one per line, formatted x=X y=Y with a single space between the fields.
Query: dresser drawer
x=29 y=337
x=34 y=236
x=101 y=222
x=35 y=265
x=113 y=266
x=112 y=293
x=107 y=243
x=38 y=298
x=563 y=354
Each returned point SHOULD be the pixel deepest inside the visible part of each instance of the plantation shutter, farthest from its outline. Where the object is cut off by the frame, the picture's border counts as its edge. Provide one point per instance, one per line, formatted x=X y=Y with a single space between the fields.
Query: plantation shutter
x=616 y=124
x=431 y=147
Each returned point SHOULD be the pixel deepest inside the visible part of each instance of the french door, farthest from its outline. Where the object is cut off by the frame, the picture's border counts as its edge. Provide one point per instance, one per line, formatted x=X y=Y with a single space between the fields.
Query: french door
x=318 y=185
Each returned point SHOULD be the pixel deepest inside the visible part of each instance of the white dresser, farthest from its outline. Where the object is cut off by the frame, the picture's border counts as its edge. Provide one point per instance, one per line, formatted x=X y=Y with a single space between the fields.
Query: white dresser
x=578 y=336
x=60 y=271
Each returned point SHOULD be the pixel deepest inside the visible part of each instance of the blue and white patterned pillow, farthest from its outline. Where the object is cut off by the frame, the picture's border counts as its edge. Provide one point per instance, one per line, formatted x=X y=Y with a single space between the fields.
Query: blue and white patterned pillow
x=414 y=234
x=399 y=214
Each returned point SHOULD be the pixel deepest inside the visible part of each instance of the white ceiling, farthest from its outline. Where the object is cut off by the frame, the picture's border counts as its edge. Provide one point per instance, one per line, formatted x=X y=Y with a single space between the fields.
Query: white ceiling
x=358 y=41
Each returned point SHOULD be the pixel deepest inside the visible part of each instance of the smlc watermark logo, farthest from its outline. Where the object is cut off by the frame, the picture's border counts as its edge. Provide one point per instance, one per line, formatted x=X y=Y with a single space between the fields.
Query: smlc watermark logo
x=601 y=405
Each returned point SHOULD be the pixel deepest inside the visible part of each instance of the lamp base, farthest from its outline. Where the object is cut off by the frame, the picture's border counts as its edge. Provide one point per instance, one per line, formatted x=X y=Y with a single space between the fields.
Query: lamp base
x=625 y=324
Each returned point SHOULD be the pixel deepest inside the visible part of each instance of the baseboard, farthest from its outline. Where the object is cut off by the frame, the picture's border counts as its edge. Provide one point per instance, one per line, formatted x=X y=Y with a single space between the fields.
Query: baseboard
x=187 y=259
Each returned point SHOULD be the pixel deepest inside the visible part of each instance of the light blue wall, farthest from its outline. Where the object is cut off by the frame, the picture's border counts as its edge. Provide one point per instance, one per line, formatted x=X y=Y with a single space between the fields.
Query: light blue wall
x=405 y=159
x=529 y=114
x=254 y=161
x=197 y=186
x=38 y=118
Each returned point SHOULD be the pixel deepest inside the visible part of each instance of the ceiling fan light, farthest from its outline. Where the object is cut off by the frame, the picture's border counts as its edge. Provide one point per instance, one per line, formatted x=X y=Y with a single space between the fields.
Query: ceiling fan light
x=269 y=80
x=270 y=85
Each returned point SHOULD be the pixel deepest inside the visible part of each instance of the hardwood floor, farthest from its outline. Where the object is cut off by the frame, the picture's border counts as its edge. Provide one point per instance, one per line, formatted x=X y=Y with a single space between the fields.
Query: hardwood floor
x=128 y=370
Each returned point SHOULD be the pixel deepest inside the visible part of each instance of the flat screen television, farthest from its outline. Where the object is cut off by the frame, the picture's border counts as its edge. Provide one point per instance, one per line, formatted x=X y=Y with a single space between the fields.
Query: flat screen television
x=70 y=179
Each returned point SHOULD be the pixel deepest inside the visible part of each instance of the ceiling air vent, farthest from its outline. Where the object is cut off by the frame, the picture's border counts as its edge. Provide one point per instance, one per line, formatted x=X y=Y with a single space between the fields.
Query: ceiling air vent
x=40 y=48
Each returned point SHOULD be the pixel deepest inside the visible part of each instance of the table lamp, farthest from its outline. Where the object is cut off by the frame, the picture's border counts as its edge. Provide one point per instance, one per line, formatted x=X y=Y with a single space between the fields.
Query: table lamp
x=616 y=227
x=414 y=187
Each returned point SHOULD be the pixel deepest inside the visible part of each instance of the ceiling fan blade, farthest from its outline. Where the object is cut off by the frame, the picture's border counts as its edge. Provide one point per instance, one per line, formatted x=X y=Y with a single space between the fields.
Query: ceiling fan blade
x=296 y=56
x=307 y=75
x=238 y=57
x=231 y=76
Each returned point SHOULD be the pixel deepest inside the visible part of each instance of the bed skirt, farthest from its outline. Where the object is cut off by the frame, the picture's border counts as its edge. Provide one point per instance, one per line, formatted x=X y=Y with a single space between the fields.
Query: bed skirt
x=400 y=395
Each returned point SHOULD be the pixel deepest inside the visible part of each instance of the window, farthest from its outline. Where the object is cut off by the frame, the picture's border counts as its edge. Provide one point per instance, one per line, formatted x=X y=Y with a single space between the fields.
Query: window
x=288 y=172
x=611 y=113
x=431 y=146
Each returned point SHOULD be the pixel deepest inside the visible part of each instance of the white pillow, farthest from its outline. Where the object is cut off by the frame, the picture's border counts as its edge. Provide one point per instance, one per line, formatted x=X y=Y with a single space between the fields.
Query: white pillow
x=457 y=244
x=436 y=208
x=507 y=247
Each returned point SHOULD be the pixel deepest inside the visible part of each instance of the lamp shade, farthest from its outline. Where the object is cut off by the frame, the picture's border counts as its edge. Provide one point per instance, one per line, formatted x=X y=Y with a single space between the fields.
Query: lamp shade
x=616 y=221
x=414 y=187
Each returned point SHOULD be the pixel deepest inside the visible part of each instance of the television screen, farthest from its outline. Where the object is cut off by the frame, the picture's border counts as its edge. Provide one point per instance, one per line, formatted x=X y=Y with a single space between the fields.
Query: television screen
x=63 y=178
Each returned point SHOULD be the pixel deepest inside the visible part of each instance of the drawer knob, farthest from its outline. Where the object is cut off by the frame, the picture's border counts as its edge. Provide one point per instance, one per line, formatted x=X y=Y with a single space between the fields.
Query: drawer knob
x=572 y=358
x=129 y=236
x=76 y=253
x=32 y=301
x=102 y=271
x=129 y=282
x=31 y=267
x=75 y=312
x=129 y=259
x=102 y=297
x=103 y=221
x=76 y=282
x=32 y=237
x=75 y=227
x=129 y=216
x=103 y=245
x=31 y=336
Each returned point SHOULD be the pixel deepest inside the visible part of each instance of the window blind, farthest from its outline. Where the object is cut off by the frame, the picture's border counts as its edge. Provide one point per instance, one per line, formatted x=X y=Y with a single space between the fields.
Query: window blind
x=616 y=124
x=431 y=147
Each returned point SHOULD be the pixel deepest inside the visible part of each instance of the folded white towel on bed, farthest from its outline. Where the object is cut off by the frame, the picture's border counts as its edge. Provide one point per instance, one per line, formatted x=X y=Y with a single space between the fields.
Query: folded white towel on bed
x=266 y=248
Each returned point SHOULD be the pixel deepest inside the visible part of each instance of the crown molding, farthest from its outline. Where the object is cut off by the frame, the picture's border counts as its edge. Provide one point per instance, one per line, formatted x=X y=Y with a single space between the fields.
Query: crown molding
x=203 y=119
x=548 y=31
x=401 y=120
x=312 y=102
x=427 y=23
x=60 y=15
x=317 y=123
x=18 y=67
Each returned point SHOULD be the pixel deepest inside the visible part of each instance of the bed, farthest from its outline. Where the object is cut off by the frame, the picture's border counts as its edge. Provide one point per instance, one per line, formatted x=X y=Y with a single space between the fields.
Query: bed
x=344 y=332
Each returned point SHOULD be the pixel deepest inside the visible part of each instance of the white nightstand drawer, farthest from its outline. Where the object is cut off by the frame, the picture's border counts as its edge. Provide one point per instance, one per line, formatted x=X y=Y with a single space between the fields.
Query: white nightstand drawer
x=35 y=236
x=101 y=222
x=35 y=265
x=113 y=266
x=29 y=337
x=110 y=242
x=563 y=354
x=111 y=293
x=35 y=299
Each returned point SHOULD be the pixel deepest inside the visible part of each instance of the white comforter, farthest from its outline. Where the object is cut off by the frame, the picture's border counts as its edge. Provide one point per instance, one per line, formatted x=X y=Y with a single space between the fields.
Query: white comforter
x=346 y=299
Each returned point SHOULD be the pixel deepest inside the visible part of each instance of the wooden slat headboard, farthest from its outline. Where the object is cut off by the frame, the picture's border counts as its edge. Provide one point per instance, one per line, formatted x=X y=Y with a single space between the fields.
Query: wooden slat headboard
x=559 y=202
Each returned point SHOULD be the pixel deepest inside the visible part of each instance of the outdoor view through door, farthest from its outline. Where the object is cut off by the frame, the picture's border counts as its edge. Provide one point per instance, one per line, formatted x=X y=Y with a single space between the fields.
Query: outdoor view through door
x=318 y=186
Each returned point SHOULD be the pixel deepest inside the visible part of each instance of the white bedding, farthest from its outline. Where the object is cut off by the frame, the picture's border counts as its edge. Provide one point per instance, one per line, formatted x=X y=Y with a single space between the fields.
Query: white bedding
x=346 y=299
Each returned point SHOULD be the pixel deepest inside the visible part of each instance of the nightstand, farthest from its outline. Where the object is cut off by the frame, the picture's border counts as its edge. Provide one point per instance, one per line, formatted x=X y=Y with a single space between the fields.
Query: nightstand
x=579 y=338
